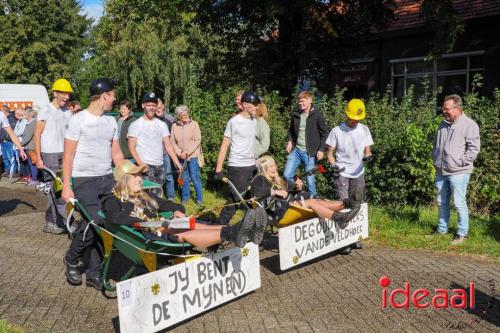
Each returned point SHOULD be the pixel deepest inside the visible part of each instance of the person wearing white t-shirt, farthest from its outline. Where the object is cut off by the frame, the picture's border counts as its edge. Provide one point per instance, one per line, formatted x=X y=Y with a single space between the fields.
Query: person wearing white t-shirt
x=49 y=145
x=147 y=136
x=4 y=123
x=90 y=145
x=239 y=137
x=350 y=141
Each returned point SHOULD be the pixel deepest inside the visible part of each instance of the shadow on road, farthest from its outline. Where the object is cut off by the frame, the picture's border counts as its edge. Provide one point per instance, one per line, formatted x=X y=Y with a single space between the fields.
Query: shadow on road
x=8 y=206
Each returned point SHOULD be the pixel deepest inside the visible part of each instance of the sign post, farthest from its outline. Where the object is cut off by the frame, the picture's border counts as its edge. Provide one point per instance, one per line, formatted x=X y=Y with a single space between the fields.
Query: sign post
x=157 y=300
x=301 y=242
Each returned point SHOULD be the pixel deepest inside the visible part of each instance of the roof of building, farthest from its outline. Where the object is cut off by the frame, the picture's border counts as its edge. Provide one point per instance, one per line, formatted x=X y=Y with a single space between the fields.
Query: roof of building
x=407 y=12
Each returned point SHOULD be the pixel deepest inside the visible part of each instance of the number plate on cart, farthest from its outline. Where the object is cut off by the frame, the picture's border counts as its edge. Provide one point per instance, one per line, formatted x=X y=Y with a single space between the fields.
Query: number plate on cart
x=304 y=241
x=160 y=299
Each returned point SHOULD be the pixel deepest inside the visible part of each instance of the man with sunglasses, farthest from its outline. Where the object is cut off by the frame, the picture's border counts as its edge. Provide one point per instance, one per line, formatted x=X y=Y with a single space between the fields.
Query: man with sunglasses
x=239 y=136
x=90 y=145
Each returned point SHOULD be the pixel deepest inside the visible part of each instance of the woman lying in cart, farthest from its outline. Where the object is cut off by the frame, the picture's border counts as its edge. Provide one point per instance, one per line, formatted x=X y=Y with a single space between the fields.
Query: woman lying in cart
x=130 y=205
x=275 y=194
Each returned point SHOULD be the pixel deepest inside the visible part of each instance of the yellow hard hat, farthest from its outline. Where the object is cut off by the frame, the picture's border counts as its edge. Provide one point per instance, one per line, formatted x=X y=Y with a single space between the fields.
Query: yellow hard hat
x=355 y=109
x=62 y=85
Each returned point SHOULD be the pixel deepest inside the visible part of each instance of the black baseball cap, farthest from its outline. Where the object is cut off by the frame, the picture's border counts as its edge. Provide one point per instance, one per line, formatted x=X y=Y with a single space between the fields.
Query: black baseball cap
x=150 y=97
x=101 y=85
x=249 y=97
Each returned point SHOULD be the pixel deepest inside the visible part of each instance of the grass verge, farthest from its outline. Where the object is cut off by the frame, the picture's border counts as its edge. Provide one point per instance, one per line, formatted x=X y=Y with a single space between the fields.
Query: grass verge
x=411 y=228
x=7 y=328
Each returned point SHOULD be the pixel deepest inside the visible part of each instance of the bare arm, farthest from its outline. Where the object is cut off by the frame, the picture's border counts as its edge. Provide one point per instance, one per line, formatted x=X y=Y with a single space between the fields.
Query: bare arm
x=329 y=154
x=132 y=144
x=68 y=156
x=40 y=126
x=15 y=141
x=367 y=151
x=171 y=152
x=116 y=152
x=222 y=153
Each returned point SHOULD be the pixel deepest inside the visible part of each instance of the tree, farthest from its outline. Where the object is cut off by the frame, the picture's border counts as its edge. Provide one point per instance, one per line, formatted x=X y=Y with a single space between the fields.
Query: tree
x=148 y=45
x=39 y=38
x=275 y=43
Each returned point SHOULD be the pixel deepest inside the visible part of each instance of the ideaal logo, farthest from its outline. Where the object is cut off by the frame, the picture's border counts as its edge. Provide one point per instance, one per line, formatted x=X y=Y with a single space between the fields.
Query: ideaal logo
x=423 y=298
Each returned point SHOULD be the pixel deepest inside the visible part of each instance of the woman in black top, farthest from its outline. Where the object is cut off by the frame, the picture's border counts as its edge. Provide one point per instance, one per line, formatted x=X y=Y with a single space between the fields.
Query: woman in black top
x=273 y=192
x=129 y=204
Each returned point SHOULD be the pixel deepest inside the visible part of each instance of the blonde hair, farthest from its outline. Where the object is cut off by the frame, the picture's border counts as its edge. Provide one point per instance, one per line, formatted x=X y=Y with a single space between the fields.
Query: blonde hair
x=305 y=94
x=262 y=112
x=141 y=200
x=263 y=164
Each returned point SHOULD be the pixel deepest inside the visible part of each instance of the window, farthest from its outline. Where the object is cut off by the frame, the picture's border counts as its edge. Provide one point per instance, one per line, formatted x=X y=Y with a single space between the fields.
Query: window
x=454 y=72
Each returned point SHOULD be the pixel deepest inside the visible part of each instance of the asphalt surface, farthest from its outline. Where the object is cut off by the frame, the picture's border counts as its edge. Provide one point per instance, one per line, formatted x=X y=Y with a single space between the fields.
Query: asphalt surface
x=335 y=294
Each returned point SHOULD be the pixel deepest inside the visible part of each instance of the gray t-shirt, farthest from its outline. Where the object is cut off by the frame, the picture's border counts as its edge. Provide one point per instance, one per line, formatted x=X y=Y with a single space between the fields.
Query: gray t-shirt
x=95 y=135
x=150 y=135
x=52 y=139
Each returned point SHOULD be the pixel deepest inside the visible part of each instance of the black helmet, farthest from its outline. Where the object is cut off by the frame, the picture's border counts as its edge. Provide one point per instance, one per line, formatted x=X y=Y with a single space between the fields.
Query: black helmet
x=150 y=97
x=101 y=85
x=248 y=97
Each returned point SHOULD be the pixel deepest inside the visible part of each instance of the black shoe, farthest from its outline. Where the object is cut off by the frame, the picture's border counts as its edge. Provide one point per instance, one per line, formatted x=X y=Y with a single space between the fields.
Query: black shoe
x=95 y=283
x=73 y=274
x=245 y=229
x=342 y=219
x=345 y=251
x=357 y=246
x=260 y=225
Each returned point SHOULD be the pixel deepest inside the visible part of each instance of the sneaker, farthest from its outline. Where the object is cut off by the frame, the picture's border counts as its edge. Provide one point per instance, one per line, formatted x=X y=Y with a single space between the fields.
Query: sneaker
x=458 y=240
x=52 y=228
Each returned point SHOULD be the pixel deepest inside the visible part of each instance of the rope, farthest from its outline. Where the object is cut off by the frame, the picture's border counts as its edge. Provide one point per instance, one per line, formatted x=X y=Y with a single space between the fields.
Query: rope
x=134 y=246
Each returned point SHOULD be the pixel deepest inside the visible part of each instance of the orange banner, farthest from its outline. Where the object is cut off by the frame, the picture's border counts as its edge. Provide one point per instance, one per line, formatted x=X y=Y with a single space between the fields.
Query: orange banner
x=13 y=105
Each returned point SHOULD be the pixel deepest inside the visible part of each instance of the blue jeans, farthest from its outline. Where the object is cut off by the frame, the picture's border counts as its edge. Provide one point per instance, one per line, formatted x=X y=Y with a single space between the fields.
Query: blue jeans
x=7 y=155
x=446 y=186
x=169 y=183
x=192 y=173
x=295 y=159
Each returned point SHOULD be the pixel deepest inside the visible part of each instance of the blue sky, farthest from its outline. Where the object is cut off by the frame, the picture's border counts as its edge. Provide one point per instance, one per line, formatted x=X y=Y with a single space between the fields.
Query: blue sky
x=93 y=8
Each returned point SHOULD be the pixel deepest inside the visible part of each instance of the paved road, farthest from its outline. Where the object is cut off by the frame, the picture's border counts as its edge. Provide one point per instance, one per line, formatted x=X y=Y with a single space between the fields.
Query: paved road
x=336 y=294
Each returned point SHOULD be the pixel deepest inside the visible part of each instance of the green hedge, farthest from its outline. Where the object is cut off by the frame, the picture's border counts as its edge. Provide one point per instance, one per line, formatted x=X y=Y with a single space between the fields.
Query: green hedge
x=402 y=171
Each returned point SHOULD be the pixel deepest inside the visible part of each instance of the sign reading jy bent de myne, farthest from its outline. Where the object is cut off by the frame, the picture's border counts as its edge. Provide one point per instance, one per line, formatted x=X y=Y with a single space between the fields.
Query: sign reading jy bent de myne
x=157 y=300
x=310 y=239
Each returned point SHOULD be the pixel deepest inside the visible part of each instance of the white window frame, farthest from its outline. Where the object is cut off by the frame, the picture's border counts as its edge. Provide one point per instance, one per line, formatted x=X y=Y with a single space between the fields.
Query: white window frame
x=435 y=73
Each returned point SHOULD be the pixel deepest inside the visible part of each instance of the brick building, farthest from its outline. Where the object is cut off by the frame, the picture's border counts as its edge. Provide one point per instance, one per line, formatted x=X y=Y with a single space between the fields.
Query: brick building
x=398 y=55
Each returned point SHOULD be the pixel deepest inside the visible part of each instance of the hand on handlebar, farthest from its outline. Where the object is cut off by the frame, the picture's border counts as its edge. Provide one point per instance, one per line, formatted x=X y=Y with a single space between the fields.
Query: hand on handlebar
x=218 y=176
x=67 y=195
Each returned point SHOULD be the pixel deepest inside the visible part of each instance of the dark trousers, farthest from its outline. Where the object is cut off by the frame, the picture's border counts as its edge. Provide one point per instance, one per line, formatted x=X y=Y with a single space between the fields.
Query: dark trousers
x=56 y=207
x=156 y=174
x=89 y=192
x=241 y=177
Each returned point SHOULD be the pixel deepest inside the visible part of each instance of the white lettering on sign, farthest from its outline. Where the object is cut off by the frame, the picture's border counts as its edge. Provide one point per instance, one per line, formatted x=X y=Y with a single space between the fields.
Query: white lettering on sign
x=310 y=239
x=157 y=300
